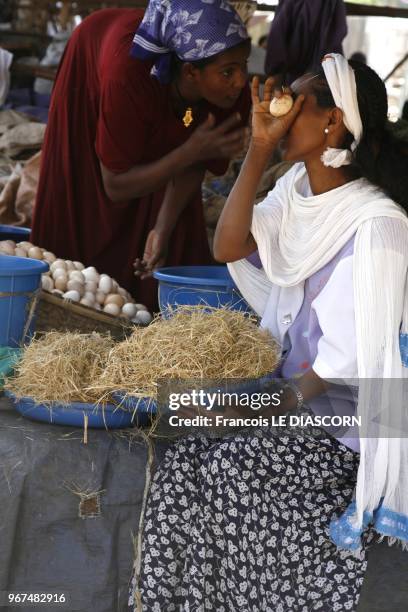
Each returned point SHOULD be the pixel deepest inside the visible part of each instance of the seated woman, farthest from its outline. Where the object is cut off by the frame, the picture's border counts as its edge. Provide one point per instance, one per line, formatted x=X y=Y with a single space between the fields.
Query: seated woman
x=268 y=520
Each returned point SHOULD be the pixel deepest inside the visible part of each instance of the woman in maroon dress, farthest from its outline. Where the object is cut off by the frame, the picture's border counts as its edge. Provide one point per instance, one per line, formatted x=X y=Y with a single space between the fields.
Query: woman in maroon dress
x=122 y=164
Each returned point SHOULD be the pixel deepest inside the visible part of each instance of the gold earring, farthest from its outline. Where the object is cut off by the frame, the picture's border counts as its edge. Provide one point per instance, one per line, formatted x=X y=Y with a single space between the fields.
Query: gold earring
x=188 y=117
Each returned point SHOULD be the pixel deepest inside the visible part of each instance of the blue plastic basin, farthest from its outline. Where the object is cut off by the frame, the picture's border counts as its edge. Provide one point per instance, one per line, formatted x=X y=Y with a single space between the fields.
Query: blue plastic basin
x=20 y=279
x=194 y=285
x=73 y=415
x=18 y=234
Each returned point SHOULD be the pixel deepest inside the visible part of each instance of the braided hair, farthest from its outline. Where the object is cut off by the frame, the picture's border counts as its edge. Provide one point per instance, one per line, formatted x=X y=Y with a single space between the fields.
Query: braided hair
x=381 y=156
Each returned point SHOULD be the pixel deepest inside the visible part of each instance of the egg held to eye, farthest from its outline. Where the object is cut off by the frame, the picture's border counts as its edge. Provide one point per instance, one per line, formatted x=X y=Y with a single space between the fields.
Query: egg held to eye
x=281 y=106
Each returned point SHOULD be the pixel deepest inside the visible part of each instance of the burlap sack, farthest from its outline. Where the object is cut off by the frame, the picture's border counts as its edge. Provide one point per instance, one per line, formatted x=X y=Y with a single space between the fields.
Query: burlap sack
x=22 y=137
x=27 y=190
x=10 y=118
x=18 y=196
x=8 y=197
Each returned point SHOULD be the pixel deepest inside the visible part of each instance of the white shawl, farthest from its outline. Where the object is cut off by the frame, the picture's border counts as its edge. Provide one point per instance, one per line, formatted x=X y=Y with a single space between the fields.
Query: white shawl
x=296 y=236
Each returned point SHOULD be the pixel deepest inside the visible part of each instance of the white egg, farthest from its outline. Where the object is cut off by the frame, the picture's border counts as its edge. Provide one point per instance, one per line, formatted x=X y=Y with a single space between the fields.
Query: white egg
x=90 y=274
x=35 y=253
x=281 y=106
x=60 y=283
x=76 y=275
x=123 y=292
x=90 y=296
x=49 y=257
x=73 y=296
x=57 y=292
x=115 y=298
x=10 y=242
x=86 y=302
x=26 y=245
x=129 y=310
x=97 y=306
x=59 y=272
x=143 y=316
x=58 y=263
x=115 y=286
x=141 y=307
x=100 y=297
x=19 y=252
x=47 y=283
x=105 y=283
x=74 y=285
x=91 y=286
x=112 y=309
x=6 y=249
x=69 y=264
x=78 y=265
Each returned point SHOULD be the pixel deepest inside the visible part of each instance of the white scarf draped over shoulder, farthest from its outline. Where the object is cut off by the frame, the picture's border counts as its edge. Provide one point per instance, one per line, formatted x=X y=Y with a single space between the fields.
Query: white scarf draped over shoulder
x=296 y=236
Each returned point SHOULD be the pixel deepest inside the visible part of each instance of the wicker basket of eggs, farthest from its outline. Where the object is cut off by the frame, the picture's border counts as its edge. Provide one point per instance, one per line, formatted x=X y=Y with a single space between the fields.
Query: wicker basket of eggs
x=79 y=298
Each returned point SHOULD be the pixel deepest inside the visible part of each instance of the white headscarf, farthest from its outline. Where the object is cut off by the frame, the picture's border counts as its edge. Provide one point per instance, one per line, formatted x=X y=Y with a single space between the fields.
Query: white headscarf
x=342 y=82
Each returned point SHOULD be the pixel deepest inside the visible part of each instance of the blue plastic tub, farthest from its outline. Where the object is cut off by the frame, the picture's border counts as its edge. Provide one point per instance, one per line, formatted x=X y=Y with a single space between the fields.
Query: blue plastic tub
x=194 y=285
x=108 y=417
x=20 y=279
x=18 y=234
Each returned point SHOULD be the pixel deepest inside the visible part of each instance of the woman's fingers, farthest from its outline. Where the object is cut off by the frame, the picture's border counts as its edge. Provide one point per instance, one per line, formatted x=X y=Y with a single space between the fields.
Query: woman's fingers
x=209 y=122
x=288 y=120
x=296 y=108
x=139 y=267
x=233 y=136
x=269 y=89
x=228 y=124
x=255 y=90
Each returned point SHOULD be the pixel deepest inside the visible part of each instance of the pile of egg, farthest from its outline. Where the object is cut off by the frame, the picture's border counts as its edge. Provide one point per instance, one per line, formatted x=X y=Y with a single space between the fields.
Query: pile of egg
x=72 y=281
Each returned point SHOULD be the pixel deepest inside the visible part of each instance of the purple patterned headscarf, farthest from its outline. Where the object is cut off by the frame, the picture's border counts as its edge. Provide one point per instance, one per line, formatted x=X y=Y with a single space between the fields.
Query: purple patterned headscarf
x=191 y=29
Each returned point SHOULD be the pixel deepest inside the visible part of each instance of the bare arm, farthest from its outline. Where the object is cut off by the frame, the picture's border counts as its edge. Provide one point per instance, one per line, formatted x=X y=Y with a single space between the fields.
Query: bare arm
x=206 y=142
x=179 y=194
x=233 y=240
x=144 y=179
x=310 y=385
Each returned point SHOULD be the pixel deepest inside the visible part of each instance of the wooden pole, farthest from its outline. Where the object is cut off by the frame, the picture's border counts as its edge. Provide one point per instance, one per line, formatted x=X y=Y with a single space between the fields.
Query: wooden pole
x=352 y=9
x=404 y=59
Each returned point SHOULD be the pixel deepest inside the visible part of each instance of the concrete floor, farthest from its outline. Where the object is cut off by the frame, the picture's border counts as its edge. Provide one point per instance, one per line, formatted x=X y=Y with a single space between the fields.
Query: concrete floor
x=385 y=587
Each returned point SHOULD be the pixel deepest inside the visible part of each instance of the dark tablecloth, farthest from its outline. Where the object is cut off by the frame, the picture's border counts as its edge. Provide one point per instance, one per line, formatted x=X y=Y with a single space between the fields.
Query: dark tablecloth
x=45 y=543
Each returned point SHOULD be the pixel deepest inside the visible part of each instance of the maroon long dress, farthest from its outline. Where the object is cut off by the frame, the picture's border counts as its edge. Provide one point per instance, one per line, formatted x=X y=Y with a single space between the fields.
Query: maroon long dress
x=106 y=107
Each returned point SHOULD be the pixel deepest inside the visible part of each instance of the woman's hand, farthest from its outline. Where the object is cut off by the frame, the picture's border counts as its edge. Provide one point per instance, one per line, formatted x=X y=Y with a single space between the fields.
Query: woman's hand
x=209 y=142
x=155 y=253
x=267 y=130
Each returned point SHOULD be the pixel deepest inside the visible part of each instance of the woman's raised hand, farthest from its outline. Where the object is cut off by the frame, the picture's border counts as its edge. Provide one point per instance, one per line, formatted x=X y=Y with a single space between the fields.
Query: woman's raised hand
x=267 y=130
x=209 y=142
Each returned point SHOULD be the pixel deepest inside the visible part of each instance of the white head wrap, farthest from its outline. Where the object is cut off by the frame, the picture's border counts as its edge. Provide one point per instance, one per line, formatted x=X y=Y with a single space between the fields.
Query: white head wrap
x=342 y=82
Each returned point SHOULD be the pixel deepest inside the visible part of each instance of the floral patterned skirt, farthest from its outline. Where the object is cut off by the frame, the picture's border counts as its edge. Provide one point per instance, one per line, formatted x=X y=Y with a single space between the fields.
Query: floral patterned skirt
x=241 y=523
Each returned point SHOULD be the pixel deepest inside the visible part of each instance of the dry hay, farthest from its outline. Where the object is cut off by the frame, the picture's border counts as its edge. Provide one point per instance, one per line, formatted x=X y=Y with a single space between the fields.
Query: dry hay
x=196 y=343
x=61 y=367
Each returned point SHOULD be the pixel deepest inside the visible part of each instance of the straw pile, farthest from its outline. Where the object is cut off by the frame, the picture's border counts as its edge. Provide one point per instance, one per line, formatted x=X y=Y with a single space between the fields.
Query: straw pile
x=61 y=367
x=193 y=344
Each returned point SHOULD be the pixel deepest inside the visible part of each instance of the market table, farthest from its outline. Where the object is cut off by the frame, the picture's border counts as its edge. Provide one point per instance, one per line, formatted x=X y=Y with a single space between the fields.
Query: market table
x=68 y=511
x=58 y=534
